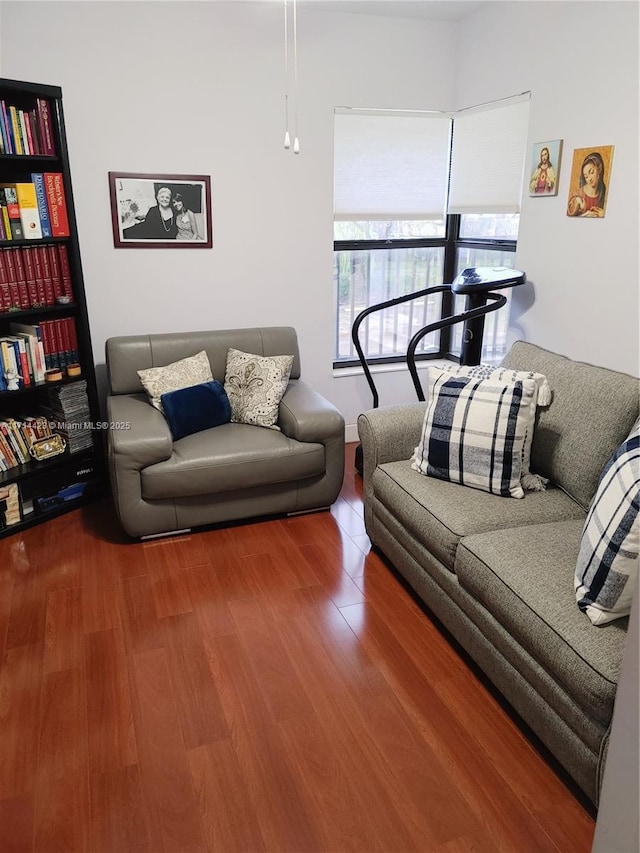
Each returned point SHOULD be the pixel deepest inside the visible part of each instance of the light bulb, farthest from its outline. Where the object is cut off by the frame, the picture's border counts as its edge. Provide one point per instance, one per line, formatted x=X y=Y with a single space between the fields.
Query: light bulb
x=296 y=146
x=287 y=140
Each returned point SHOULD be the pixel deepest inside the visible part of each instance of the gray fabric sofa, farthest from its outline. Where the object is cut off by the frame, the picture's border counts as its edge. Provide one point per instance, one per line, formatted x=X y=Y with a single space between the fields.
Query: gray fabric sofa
x=233 y=471
x=498 y=572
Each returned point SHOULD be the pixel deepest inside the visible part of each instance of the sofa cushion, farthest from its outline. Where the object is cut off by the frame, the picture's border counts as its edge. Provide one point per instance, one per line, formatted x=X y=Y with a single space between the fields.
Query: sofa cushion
x=178 y=374
x=607 y=568
x=591 y=412
x=439 y=513
x=524 y=577
x=255 y=385
x=474 y=432
x=229 y=458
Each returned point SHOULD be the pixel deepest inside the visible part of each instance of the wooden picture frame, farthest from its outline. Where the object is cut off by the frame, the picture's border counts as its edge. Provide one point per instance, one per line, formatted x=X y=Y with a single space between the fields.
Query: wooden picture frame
x=150 y=211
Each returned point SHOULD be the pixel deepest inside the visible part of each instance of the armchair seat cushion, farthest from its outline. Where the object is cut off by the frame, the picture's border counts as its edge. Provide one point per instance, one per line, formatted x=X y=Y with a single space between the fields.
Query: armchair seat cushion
x=228 y=458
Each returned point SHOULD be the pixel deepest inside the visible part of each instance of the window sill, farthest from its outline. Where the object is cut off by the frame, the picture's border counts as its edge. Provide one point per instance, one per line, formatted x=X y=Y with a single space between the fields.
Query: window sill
x=396 y=367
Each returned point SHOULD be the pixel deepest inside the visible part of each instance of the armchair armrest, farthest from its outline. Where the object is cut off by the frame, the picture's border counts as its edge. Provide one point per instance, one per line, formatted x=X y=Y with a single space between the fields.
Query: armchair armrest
x=307 y=416
x=145 y=441
x=146 y=438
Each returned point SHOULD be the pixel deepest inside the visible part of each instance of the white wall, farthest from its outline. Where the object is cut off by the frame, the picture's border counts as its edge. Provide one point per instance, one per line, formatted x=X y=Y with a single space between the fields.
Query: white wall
x=580 y=61
x=198 y=88
x=183 y=87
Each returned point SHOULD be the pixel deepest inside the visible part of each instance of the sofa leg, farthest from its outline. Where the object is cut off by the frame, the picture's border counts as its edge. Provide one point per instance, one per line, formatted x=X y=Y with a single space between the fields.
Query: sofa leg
x=163 y=535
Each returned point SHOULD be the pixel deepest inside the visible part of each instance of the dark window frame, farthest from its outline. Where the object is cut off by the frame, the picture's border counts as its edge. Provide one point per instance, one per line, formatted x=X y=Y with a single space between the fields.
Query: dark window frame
x=451 y=242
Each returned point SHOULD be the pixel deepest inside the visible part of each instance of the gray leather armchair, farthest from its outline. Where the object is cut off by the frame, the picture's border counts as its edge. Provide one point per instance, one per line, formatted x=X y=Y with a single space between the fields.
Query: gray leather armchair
x=230 y=472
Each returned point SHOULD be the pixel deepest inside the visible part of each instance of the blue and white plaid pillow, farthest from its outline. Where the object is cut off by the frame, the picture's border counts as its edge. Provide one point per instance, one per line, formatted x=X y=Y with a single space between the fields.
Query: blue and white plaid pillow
x=607 y=567
x=474 y=432
x=530 y=482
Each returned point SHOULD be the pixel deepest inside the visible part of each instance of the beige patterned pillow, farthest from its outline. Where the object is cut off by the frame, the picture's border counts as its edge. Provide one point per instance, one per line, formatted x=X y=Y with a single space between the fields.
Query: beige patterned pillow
x=255 y=384
x=184 y=373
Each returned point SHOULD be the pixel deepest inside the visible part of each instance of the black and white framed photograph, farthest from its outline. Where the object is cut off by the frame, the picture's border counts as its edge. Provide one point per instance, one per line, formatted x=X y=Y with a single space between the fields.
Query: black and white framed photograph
x=160 y=211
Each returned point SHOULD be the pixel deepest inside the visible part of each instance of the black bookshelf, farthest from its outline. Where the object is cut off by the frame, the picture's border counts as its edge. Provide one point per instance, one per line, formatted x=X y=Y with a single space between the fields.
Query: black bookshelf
x=63 y=482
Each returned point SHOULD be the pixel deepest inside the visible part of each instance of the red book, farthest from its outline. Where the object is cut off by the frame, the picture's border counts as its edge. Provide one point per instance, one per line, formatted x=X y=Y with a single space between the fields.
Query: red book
x=46 y=275
x=65 y=333
x=59 y=343
x=30 y=275
x=50 y=357
x=46 y=126
x=73 y=334
x=56 y=275
x=21 y=278
x=54 y=189
x=65 y=271
x=30 y=140
x=39 y=276
x=5 y=296
x=14 y=293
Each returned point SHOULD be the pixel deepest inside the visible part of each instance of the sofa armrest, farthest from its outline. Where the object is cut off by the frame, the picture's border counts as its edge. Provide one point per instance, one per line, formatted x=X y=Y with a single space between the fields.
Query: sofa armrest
x=146 y=438
x=389 y=434
x=306 y=415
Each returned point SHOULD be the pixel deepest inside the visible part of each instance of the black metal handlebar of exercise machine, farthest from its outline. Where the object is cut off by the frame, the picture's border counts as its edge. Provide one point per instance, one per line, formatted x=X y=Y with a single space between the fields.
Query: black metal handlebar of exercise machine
x=477 y=284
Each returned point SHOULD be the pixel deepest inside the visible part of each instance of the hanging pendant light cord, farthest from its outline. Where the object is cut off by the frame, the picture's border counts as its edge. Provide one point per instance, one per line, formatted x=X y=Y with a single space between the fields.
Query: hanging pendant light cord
x=296 y=142
x=287 y=138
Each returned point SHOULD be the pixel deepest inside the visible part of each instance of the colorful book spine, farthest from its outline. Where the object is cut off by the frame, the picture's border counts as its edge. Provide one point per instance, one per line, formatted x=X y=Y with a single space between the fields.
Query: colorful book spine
x=23 y=132
x=46 y=127
x=13 y=212
x=57 y=204
x=15 y=127
x=28 y=205
x=6 y=124
x=4 y=130
x=37 y=178
x=30 y=139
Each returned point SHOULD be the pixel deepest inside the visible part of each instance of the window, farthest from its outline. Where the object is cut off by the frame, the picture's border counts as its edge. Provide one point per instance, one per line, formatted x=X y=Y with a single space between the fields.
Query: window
x=393 y=234
x=390 y=186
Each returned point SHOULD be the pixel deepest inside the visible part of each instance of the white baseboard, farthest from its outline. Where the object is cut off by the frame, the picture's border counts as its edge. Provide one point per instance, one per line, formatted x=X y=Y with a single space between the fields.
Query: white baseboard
x=351 y=433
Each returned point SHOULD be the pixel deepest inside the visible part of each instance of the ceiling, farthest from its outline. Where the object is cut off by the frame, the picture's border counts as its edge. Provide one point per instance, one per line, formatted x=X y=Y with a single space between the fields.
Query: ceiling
x=434 y=10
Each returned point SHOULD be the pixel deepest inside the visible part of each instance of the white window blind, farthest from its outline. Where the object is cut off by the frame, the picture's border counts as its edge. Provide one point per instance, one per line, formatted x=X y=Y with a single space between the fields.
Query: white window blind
x=488 y=158
x=390 y=166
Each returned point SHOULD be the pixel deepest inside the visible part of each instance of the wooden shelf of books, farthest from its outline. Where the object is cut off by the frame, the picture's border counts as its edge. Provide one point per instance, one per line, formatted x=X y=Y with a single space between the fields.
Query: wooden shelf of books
x=51 y=458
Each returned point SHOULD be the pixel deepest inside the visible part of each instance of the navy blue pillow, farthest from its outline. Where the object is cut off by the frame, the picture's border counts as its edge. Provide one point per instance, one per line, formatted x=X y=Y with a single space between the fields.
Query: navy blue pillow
x=198 y=407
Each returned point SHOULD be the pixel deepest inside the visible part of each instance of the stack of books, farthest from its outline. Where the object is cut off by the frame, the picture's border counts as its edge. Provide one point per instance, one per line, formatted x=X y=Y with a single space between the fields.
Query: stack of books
x=35 y=209
x=9 y=505
x=27 y=132
x=67 y=408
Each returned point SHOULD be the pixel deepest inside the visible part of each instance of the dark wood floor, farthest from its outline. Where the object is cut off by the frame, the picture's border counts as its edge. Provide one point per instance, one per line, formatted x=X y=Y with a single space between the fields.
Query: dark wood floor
x=265 y=687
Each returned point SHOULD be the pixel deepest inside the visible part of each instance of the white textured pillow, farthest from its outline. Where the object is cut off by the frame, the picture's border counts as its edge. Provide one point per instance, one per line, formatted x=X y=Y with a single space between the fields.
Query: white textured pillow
x=184 y=373
x=255 y=384
x=607 y=567
x=474 y=432
x=542 y=397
